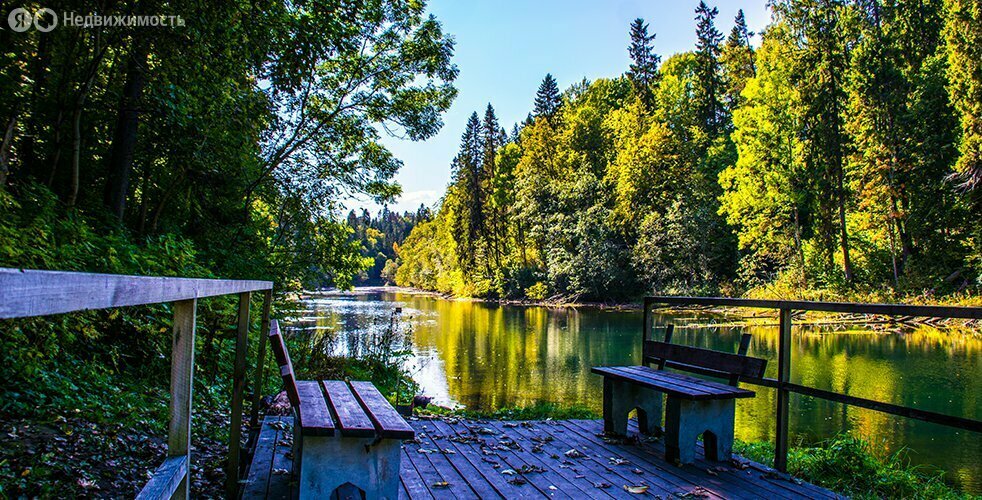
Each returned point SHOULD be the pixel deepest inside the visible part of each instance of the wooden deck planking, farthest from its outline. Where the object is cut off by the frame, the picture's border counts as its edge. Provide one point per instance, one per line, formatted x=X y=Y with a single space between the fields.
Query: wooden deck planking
x=469 y=466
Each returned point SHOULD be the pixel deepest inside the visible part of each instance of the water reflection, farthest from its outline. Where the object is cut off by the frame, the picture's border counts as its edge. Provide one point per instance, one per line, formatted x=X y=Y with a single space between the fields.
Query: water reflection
x=488 y=356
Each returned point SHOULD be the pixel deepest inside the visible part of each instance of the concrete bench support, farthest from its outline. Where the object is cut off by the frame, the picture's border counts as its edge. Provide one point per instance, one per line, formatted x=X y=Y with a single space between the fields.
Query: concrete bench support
x=685 y=420
x=332 y=462
x=622 y=397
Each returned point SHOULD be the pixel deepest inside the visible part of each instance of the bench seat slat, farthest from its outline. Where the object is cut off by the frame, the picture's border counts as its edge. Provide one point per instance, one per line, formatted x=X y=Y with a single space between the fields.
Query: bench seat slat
x=690 y=381
x=315 y=419
x=676 y=379
x=674 y=384
x=352 y=420
x=387 y=421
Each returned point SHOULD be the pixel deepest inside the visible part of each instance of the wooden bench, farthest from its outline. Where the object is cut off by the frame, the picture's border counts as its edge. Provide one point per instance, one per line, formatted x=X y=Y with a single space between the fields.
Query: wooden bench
x=347 y=437
x=693 y=405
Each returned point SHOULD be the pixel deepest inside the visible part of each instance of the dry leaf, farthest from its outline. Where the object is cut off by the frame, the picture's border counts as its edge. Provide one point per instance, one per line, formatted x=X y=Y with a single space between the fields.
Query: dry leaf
x=636 y=490
x=441 y=484
x=574 y=453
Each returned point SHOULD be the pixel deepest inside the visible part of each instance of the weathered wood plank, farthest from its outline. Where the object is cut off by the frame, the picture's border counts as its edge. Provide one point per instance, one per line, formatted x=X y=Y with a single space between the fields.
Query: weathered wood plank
x=166 y=479
x=281 y=486
x=460 y=485
x=315 y=419
x=278 y=345
x=728 y=363
x=31 y=292
x=673 y=384
x=259 y=381
x=427 y=471
x=352 y=420
x=472 y=454
x=181 y=386
x=561 y=486
x=684 y=478
x=290 y=385
x=590 y=470
x=232 y=468
x=710 y=386
x=388 y=422
x=258 y=476
x=410 y=478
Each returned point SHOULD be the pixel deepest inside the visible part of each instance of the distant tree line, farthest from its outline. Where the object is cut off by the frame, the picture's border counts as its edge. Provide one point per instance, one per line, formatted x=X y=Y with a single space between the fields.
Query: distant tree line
x=379 y=238
x=841 y=154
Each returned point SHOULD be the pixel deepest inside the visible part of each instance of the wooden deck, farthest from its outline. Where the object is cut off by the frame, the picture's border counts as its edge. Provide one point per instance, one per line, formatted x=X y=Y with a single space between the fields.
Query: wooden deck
x=456 y=458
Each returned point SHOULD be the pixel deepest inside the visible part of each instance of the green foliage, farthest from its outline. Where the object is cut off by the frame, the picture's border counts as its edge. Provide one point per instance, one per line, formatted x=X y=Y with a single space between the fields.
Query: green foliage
x=821 y=160
x=536 y=411
x=854 y=466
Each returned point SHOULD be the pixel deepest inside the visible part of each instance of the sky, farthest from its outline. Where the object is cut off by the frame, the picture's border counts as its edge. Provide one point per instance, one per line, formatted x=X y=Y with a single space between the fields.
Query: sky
x=504 y=49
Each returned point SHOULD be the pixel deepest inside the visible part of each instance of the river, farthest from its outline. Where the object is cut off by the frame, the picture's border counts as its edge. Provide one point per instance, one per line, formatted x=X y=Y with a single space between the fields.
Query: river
x=486 y=356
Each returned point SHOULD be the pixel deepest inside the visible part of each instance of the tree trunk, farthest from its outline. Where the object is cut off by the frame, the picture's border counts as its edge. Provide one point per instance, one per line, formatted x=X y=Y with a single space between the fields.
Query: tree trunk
x=8 y=137
x=124 y=139
x=76 y=153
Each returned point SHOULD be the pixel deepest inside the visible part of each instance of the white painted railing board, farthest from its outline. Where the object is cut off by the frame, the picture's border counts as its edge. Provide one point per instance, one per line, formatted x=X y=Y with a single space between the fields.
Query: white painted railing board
x=25 y=293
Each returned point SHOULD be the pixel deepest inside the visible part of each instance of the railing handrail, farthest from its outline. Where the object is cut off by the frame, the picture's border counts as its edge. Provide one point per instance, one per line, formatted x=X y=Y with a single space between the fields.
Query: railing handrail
x=30 y=292
x=783 y=383
x=959 y=312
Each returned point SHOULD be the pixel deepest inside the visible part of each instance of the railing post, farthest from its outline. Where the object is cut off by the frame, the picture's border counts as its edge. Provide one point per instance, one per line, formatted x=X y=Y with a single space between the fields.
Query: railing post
x=646 y=320
x=783 y=396
x=238 y=388
x=181 y=387
x=257 y=390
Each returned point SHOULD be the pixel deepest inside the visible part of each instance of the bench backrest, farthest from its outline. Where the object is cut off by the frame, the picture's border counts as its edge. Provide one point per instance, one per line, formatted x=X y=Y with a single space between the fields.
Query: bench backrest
x=704 y=361
x=286 y=365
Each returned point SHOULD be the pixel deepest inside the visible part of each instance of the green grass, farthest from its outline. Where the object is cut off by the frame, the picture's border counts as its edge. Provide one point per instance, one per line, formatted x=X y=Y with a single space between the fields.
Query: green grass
x=853 y=466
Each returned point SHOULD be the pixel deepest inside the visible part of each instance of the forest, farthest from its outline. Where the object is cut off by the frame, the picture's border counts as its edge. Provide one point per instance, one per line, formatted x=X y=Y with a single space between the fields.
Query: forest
x=379 y=238
x=836 y=153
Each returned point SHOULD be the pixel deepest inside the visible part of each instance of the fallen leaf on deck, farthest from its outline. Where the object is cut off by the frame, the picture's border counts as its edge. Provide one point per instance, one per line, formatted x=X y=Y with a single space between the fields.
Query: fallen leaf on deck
x=441 y=484
x=510 y=472
x=574 y=453
x=619 y=461
x=518 y=480
x=636 y=490
x=280 y=472
x=637 y=471
x=601 y=485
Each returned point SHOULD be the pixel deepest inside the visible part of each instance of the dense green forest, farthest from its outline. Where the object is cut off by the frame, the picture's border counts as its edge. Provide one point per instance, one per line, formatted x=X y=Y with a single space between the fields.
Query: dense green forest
x=380 y=237
x=841 y=154
x=217 y=148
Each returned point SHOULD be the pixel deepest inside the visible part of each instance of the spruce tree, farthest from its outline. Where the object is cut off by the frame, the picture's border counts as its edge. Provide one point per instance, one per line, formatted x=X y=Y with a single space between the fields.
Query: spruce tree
x=547 y=99
x=737 y=58
x=643 y=72
x=709 y=72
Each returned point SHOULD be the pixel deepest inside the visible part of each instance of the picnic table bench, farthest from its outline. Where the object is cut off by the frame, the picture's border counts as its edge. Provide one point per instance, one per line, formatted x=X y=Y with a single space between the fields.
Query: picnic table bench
x=693 y=406
x=347 y=437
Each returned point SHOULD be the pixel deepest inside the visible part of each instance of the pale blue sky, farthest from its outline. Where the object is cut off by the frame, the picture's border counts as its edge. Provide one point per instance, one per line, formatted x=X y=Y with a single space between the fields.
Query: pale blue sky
x=504 y=48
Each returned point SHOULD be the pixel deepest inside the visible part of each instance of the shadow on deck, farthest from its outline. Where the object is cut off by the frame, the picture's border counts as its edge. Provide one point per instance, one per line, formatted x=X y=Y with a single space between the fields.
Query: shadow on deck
x=457 y=458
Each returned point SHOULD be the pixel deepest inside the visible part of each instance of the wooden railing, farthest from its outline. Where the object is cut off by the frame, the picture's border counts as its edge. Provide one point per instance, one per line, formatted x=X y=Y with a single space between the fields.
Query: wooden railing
x=28 y=293
x=783 y=383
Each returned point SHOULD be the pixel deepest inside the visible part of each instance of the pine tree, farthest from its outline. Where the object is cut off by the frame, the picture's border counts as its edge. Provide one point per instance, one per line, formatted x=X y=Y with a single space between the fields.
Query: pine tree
x=469 y=195
x=709 y=73
x=821 y=63
x=547 y=99
x=643 y=71
x=492 y=139
x=737 y=58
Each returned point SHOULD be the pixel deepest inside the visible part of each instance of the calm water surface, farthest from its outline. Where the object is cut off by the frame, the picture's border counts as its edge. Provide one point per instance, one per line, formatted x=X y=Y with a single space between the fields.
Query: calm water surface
x=488 y=356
